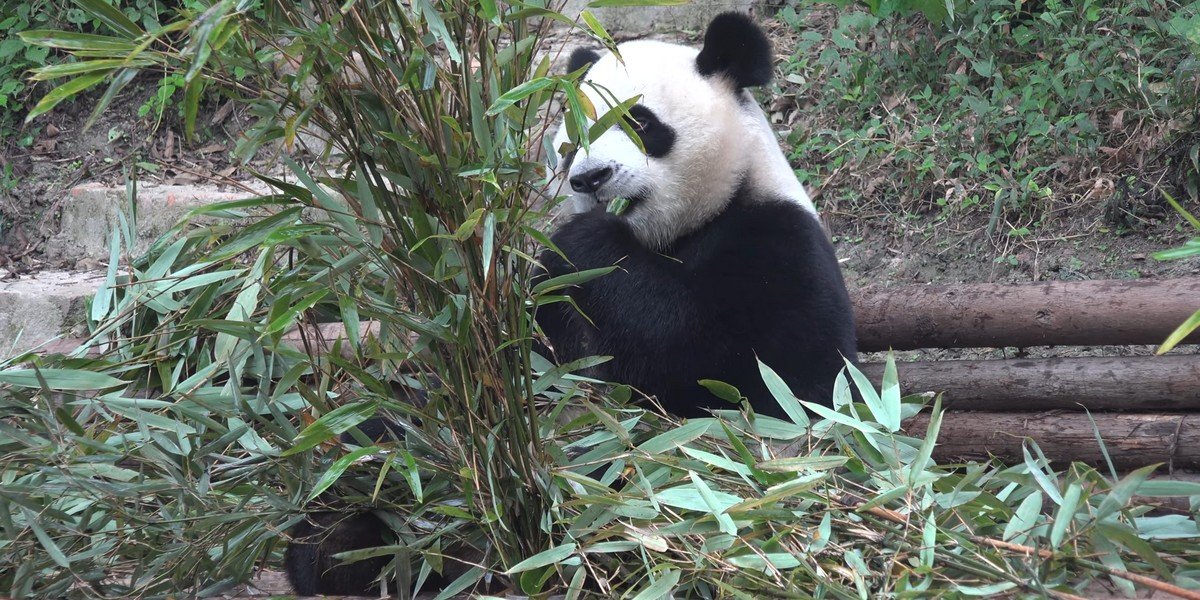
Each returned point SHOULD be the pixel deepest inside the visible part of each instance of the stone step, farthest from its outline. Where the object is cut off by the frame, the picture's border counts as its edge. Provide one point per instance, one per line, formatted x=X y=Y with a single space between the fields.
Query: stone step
x=36 y=308
x=630 y=21
x=92 y=213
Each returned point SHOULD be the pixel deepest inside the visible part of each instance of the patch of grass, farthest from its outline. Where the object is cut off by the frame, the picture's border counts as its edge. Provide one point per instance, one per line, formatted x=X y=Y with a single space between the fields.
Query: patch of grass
x=1009 y=109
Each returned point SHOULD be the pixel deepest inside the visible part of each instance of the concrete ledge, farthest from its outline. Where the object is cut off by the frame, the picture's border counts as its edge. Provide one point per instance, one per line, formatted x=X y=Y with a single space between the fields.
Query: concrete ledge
x=92 y=212
x=635 y=21
x=39 y=307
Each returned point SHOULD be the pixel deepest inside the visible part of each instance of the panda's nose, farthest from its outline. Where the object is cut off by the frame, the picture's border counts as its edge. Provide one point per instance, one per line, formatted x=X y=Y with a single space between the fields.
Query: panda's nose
x=591 y=181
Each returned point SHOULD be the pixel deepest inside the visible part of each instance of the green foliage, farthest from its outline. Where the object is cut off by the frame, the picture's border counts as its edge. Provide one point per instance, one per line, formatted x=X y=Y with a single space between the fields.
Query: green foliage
x=1189 y=249
x=1186 y=24
x=1011 y=108
x=936 y=11
x=16 y=57
x=82 y=27
x=214 y=428
x=163 y=97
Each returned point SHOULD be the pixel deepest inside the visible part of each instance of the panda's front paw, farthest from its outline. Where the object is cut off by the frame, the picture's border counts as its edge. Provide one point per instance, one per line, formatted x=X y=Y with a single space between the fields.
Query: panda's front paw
x=553 y=265
x=593 y=240
x=592 y=227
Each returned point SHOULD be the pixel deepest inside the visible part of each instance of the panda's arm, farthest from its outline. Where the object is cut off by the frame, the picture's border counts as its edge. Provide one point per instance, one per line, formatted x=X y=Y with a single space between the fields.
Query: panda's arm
x=646 y=300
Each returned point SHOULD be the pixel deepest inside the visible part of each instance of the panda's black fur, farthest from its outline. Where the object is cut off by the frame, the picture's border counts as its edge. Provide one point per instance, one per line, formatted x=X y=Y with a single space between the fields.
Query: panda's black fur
x=759 y=281
x=755 y=279
x=309 y=559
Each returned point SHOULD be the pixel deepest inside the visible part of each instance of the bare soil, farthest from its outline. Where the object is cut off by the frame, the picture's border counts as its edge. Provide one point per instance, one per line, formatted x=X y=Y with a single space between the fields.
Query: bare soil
x=65 y=154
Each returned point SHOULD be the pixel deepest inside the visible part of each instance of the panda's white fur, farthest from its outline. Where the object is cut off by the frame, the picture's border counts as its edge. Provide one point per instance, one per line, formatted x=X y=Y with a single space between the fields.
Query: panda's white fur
x=770 y=171
x=725 y=141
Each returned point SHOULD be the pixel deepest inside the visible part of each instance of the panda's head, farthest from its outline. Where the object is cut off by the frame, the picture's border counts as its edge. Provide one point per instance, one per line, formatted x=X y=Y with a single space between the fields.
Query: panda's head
x=699 y=127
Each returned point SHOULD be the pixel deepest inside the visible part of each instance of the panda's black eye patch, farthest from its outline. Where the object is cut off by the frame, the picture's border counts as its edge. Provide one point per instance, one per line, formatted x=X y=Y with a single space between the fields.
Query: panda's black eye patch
x=657 y=137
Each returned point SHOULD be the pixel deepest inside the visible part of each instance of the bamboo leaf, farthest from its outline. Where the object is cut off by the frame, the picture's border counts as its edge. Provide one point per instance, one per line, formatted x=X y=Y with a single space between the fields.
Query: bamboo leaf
x=1123 y=491
x=611 y=117
x=886 y=414
x=1124 y=535
x=722 y=390
x=690 y=497
x=285 y=319
x=1024 y=518
x=331 y=424
x=69 y=40
x=1168 y=488
x=803 y=463
x=764 y=562
x=60 y=379
x=52 y=549
x=783 y=394
x=837 y=417
x=1188 y=250
x=544 y=558
x=519 y=93
x=118 y=83
x=64 y=92
x=191 y=105
x=661 y=588
x=1195 y=223
x=1182 y=332
x=674 y=438
x=339 y=466
x=50 y=72
x=1035 y=469
x=596 y=27
x=111 y=16
x=985 y=590
x=1065 y=514
x=925 y=453
x=570 y=279
x=464 y=581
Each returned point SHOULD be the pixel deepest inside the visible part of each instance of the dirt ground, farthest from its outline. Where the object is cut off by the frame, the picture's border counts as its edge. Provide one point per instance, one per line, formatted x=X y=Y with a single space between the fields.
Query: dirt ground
x=65 y=154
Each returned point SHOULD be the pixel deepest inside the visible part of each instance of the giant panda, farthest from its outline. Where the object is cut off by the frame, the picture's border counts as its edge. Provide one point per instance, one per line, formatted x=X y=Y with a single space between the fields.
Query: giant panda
x=720 y=259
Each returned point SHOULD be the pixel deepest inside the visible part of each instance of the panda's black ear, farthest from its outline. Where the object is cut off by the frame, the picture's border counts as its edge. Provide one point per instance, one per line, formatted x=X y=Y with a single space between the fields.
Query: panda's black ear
x=580 y=58
x=736 y=48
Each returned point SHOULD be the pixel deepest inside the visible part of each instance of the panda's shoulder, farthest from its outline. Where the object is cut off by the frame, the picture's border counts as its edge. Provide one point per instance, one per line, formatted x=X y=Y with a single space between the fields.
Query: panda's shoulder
x=767 y=216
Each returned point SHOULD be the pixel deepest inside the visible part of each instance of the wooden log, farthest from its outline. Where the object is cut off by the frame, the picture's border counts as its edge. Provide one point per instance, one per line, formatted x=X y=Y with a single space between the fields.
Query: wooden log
x=1133 y=440
x=1131 y=383
x=1047 y=313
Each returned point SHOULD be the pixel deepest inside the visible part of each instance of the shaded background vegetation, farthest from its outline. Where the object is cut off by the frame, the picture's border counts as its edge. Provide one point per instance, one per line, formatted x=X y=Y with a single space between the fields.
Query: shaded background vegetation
x=1011 y=106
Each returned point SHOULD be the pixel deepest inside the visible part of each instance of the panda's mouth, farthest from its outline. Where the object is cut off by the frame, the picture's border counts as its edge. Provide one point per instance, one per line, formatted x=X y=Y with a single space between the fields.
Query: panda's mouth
x=633 y=201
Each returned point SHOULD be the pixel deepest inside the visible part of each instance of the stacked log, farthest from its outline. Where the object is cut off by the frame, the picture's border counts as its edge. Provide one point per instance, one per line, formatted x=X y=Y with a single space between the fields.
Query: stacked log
x=1145 y=408
x=1047 y=313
